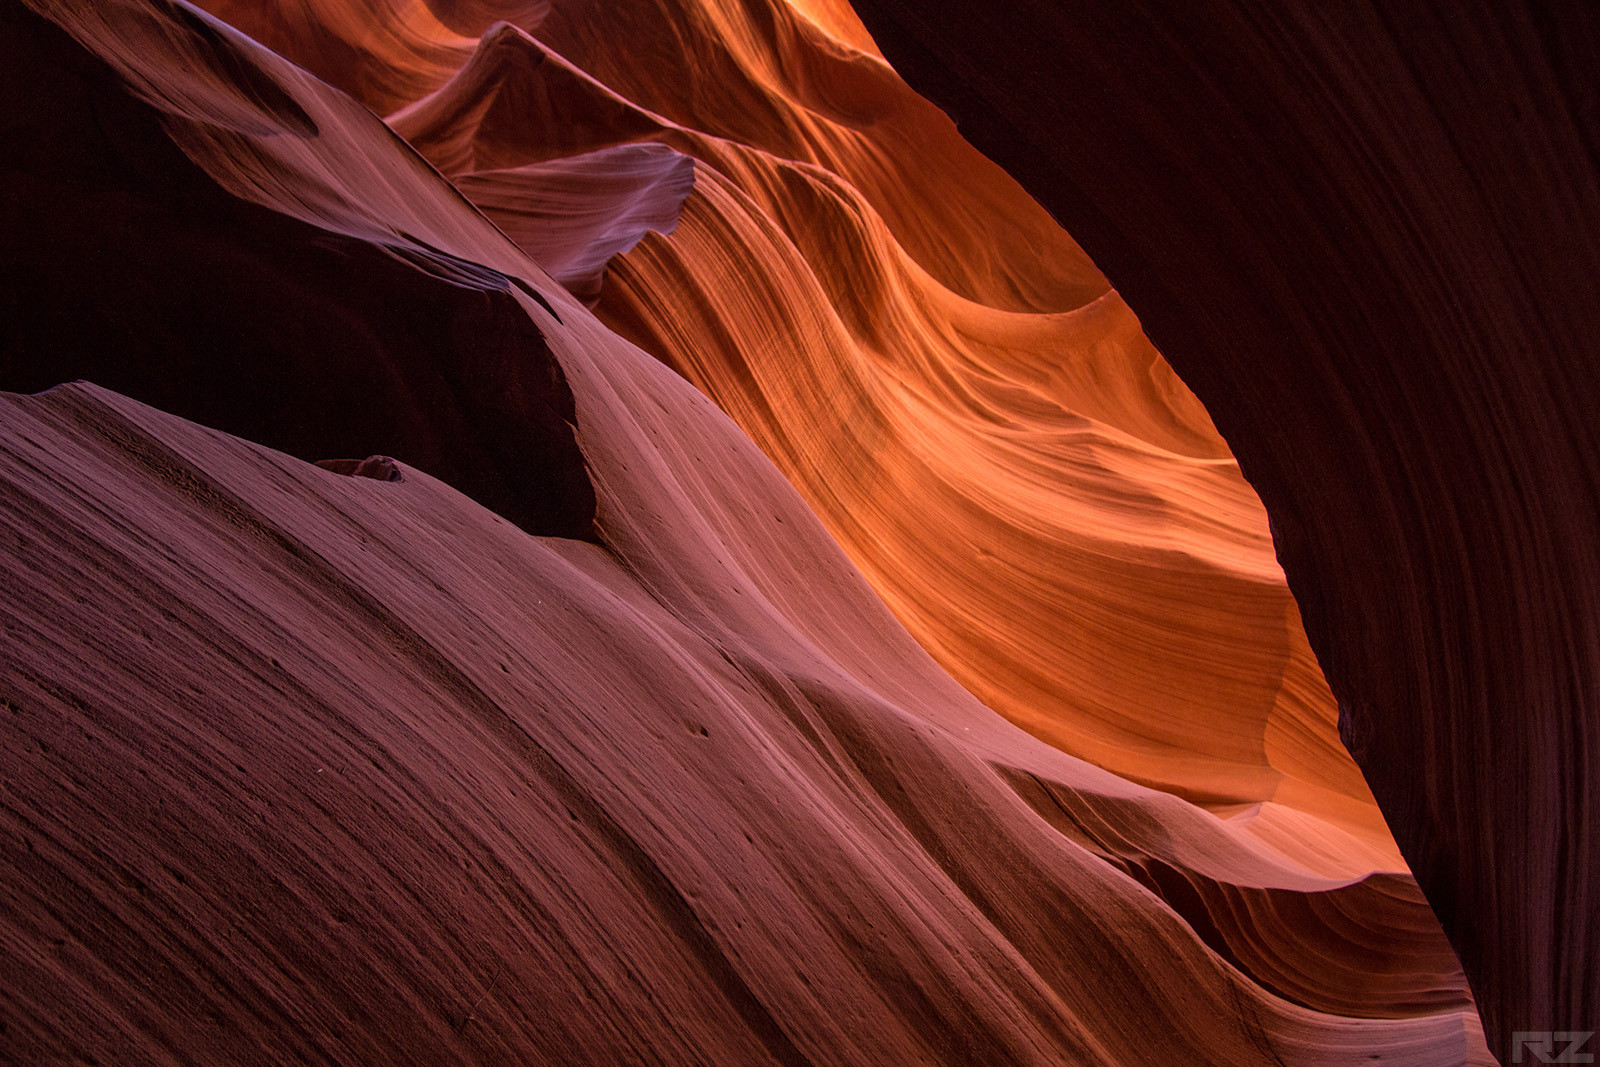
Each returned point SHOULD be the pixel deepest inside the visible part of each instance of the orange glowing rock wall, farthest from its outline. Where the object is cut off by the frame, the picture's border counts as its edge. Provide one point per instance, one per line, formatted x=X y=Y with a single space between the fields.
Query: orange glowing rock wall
x=302 y=767
x=1365 y=233
x=953 y=387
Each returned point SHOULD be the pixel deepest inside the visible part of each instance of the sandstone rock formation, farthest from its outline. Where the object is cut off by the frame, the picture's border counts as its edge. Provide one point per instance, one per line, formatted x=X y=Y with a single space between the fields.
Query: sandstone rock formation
x=1364 y=233
x=306 y=767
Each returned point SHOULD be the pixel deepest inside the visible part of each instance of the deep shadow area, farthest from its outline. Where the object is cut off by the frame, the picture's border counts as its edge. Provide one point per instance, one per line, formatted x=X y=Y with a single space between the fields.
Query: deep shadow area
x=1363 y=233
x=125 y=264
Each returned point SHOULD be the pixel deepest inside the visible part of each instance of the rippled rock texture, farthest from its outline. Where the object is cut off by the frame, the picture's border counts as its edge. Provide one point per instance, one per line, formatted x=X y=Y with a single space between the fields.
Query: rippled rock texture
x=329 y=762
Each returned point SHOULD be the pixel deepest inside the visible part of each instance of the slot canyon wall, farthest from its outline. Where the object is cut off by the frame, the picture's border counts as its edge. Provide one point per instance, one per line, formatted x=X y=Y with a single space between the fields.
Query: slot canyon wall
x=1365 y=234
x=789 y=612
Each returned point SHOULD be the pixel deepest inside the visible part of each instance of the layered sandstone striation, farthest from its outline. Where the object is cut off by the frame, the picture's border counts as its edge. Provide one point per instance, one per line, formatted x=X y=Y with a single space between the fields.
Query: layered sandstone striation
x=307 y=767
x=974 y=414
x=1364 y=234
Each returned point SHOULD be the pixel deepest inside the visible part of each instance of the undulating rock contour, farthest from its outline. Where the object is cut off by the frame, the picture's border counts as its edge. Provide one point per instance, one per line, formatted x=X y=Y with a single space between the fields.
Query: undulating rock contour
x=581 y=722
x=1365 y=235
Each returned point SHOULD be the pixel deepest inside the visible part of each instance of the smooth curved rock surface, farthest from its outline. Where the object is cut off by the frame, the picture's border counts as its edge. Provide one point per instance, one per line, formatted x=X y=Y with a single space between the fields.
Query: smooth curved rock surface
x=304 y=767
x=281 y=320
x=573 y=214
x=389 y=51
x=1001 y=451
x=1364 y=233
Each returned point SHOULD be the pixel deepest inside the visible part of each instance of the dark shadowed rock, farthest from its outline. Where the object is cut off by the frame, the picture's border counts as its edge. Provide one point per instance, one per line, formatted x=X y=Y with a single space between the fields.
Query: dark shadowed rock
x=1365 y=235
x=126 y=264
